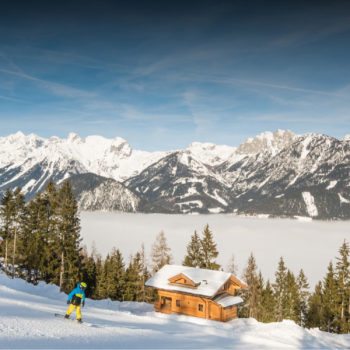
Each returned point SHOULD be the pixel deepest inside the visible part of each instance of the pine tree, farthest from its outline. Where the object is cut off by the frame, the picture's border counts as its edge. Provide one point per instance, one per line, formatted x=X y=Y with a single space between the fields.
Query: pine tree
x=35 y=239
x=115 y=275
x=134 y=279
x=232 y=266
x=107 y=275
x=148 y=294
x=343 y=283
x=279 y=288
x=209 y=250
x=252 y=294
x=101 y=288
x=7 y=213
x=259 y=297
x=89 y=272
x=50 y=270
x=68 y=238
x=303 y=296
x=267 y=305
x=315 y=312
x=330 y=302
x=290 y=300
x=19 y=220
x=194 y=257
x=161 y=253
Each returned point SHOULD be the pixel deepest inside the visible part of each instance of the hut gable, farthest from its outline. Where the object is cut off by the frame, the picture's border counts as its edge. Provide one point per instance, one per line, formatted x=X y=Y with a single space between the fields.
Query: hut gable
x=184 y=281
x=201 y=282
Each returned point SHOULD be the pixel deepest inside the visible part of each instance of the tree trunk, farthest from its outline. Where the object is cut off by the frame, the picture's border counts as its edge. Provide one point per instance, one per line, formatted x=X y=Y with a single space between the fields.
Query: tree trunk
x=62 y=272
x=6 y=252
x=14 y=254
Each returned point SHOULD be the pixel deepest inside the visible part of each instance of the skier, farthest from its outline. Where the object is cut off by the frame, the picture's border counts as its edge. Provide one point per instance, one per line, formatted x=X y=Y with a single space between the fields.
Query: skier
x=76 y=298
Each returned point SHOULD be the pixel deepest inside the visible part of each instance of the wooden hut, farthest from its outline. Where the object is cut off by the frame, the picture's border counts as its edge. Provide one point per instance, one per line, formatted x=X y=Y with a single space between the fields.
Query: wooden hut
x=196 y=292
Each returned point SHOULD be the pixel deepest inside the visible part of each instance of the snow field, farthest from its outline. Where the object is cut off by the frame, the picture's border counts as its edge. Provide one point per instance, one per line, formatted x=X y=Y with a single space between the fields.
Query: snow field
x=27 y=322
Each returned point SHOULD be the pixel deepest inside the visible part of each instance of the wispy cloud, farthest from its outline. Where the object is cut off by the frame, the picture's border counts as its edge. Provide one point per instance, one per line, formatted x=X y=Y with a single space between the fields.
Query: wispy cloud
x=244 y=82
x=12 y=99
x=311 y=32
x=56 y=88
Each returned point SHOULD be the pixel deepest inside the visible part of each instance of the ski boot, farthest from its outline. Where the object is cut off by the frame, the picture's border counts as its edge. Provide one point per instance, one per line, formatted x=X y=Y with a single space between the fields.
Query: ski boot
x=66 y=316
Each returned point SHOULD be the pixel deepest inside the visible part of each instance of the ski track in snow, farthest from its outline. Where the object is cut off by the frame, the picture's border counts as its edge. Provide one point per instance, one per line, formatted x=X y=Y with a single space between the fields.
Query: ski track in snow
x=27 y=322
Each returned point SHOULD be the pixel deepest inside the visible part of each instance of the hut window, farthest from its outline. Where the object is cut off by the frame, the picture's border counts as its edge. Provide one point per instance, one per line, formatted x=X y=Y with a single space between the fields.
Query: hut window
x=178 y=304
x=200 y=307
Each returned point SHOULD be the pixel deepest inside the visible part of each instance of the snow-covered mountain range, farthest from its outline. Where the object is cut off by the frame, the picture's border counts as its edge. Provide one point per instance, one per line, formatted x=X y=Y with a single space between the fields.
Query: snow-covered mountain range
x=275 y=173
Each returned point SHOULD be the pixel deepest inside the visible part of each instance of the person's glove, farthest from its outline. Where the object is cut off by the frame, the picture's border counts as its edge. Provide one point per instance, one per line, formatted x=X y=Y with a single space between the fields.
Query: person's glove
x=83 y=303
x=68 y=302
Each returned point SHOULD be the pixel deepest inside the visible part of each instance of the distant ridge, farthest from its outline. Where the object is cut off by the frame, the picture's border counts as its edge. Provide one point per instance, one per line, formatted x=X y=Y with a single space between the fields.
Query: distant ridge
x=274 y=173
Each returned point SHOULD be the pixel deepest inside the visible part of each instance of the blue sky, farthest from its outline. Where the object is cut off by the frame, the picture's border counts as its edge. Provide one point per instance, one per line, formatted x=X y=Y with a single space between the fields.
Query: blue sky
x=164 y=74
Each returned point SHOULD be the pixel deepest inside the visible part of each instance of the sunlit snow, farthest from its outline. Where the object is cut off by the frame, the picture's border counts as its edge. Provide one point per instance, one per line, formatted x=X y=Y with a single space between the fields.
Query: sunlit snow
x=27 y=322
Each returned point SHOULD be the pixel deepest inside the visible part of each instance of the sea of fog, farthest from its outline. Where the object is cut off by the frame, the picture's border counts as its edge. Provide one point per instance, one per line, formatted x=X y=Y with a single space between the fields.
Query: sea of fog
x=310 y=245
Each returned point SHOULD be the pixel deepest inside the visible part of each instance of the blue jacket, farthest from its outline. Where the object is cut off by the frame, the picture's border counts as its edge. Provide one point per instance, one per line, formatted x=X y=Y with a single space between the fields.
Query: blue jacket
x=80 y=293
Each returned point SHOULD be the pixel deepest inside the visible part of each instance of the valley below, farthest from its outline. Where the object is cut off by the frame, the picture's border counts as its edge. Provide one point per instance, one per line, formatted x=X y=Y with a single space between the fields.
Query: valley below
x=305 y=244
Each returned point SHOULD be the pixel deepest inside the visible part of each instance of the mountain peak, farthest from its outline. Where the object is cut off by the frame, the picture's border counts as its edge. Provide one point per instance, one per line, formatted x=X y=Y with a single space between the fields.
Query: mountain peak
x=121 y=147
x=210 y=153
x=74 y=138
x=16 y=137
x=271 y=142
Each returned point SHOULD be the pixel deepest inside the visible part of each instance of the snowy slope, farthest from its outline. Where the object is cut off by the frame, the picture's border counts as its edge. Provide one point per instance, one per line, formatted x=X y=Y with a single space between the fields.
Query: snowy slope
x=94 y=192
x=182 y=183
x=27 y=322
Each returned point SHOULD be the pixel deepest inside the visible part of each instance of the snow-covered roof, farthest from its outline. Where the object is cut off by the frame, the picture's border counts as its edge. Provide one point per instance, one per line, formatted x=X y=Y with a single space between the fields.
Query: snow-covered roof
x=226 y=300
x=209 y=281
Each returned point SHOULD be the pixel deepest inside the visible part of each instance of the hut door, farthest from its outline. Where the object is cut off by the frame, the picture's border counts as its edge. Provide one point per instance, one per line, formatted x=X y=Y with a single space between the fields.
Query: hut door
x=165 y=304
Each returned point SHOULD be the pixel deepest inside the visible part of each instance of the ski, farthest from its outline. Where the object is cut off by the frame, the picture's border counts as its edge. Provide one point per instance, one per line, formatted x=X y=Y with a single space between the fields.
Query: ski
x=73 y=320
